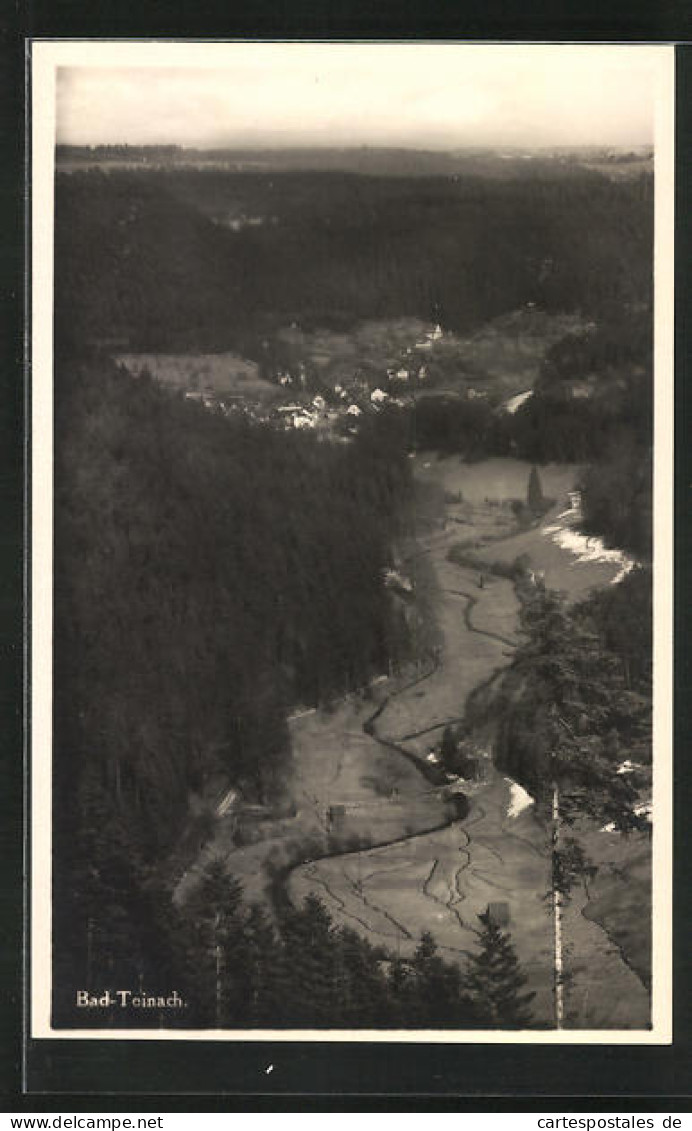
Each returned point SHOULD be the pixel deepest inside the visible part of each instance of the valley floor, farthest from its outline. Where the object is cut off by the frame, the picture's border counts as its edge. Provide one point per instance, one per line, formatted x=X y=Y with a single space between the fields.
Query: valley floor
x=378 y=842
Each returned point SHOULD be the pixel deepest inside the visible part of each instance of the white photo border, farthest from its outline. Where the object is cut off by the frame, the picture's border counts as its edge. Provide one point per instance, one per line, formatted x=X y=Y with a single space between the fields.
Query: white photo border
x=44 y=58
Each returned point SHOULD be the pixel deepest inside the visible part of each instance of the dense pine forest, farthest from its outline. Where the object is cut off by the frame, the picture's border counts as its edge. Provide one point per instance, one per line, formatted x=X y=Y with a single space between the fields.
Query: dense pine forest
x=234 y=966
x=148 y=261
x=209 y=576
x=150 y=258
x=213 y=575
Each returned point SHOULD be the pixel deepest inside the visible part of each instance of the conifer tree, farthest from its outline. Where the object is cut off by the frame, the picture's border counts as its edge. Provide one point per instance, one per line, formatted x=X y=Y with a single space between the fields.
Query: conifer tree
x=263 y=958
x=362 y=986
x=307 y=974
x=219 y=945
x=496 y=981
x=435 y=995
x=534 y=494
x=448 y=748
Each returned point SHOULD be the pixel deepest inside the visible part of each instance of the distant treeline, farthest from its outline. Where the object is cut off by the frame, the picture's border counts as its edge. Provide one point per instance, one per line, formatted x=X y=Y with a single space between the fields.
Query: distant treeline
x=374 y=161
x=85 y=152
x=140 y=256
x=209 y=575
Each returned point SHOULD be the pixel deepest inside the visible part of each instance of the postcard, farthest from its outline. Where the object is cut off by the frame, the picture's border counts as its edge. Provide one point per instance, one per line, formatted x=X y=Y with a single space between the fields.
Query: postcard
x=351 y=532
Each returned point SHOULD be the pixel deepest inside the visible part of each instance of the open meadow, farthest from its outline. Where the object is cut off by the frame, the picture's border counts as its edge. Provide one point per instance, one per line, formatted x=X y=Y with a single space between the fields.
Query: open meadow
x=441 y=881
x=214 y=373
x=369 y=833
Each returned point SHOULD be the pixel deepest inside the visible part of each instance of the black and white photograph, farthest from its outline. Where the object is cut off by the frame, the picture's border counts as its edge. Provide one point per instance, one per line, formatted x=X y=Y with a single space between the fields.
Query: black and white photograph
x=351 y=534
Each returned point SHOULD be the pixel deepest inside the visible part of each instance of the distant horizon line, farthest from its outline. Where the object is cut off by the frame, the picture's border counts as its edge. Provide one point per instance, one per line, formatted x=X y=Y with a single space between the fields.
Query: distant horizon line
x=355 y=147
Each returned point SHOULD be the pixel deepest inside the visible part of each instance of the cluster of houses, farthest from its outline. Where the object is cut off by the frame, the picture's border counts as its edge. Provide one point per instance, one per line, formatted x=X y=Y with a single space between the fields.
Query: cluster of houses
x=229 y=385
x=351 y=397
x=325 y=418
x=409 y=368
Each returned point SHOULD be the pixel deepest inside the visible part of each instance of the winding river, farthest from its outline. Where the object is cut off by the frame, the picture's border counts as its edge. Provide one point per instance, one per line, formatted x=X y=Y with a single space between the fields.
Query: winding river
x=386 y=846
x=443 y=878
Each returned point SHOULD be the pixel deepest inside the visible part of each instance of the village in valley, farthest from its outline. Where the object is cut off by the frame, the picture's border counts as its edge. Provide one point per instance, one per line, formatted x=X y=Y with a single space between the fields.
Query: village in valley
x=320 y=385
x=353 y=681
x=326 y=381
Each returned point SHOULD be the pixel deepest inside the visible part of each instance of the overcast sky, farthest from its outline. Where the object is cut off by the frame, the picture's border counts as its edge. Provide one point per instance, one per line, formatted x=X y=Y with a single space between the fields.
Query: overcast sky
x=434 y=96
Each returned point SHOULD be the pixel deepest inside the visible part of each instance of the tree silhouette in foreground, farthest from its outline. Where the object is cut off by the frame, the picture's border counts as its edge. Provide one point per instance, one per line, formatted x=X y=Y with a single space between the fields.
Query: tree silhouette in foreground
x=496 y=981
x=306 y=971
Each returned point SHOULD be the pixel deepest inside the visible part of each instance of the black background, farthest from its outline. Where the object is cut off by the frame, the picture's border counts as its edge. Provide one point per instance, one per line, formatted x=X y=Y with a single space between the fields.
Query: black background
x=72 y=1075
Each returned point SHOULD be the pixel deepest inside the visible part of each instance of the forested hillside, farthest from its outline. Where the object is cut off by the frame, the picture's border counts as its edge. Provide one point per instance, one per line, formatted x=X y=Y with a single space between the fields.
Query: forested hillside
x=132 y=263
x=149 y=261
x=139 y=256
x=594 y=401
x=208 y=576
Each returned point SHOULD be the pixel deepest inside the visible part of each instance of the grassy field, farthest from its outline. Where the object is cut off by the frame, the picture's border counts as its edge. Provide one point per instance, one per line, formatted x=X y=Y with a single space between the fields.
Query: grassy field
x=371 y=347
x=442 y=881
x=349 y=793
x=382 y=794
x=498 y=479
x=219 y=373
x=502 y=358
x=562 y=569
x=619 y=897
x=603 y=990
x=480 y=522
x=384 y=797
x=467 y=658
